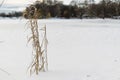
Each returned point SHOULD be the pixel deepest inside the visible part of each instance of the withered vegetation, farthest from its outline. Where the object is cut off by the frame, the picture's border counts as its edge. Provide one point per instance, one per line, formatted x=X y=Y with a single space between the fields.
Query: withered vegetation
x=39 y=44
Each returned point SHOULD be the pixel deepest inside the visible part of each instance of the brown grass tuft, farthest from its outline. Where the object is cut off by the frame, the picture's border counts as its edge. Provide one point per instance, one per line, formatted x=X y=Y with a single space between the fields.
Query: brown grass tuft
x=39 y=45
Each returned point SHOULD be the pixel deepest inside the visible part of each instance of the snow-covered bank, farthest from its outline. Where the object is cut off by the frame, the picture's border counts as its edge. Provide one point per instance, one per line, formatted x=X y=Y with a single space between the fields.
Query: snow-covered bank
x=77 y=50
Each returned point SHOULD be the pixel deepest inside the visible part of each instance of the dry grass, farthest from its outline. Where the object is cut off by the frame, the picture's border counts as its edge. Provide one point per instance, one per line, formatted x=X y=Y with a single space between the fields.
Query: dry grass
x=39 y=44
x=7 y=73
x=4 y=71
x=2 y=3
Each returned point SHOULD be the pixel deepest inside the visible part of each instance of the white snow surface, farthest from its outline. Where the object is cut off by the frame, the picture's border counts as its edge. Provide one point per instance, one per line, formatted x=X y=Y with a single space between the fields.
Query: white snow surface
x=87 y=49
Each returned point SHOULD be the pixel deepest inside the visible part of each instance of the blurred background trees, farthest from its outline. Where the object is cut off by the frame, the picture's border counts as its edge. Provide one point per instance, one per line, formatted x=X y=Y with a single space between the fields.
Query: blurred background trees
x=75 y=9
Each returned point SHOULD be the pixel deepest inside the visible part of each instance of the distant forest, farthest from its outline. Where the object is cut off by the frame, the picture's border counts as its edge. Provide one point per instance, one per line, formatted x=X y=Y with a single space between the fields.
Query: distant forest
x=11 y=15
x=76 y=9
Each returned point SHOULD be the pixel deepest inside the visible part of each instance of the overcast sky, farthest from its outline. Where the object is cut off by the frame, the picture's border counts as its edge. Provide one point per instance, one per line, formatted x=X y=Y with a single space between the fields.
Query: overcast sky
x=27 y=1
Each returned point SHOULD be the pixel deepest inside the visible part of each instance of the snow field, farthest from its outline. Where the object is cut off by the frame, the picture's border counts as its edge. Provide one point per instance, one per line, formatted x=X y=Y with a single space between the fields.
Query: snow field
x=87 y=49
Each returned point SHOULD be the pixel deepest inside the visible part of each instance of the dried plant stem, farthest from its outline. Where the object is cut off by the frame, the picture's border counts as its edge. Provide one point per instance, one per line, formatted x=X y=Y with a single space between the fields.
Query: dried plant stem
x=39 y=62
x=44 y=45
x=36 y=46
x=4 y=71
x=2 y=3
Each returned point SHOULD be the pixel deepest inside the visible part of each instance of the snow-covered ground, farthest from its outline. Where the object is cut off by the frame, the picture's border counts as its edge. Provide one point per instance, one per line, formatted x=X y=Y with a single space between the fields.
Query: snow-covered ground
x=77 y=50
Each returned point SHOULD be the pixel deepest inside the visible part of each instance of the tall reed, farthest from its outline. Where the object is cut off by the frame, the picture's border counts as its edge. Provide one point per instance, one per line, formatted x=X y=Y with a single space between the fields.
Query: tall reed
x=39 y=44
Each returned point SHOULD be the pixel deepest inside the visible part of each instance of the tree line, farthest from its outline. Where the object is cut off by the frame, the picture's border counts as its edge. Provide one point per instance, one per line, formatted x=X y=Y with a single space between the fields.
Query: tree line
x=11 y=14
x=103 y=9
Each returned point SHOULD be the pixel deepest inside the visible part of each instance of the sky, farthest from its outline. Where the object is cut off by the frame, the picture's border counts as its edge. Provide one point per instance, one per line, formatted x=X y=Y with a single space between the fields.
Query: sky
x=27 y=1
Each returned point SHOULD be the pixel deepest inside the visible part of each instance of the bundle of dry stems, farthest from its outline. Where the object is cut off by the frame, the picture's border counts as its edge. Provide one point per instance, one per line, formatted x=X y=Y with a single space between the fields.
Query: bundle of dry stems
x=39 y=62
x=39 y=44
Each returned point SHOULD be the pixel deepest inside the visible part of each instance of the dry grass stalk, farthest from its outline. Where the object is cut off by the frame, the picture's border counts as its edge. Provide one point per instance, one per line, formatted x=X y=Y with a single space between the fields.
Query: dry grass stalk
x=2 y=3
x=7 y=73
x=44 y=46
x=4 y=71
x=39 y=62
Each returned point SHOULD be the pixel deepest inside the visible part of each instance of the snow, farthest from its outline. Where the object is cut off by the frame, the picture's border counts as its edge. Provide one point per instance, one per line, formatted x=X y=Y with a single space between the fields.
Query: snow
x=87 y=49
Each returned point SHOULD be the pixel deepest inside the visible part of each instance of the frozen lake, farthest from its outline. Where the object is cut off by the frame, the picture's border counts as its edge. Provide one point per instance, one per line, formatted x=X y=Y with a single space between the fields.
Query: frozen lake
x=87 y=49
